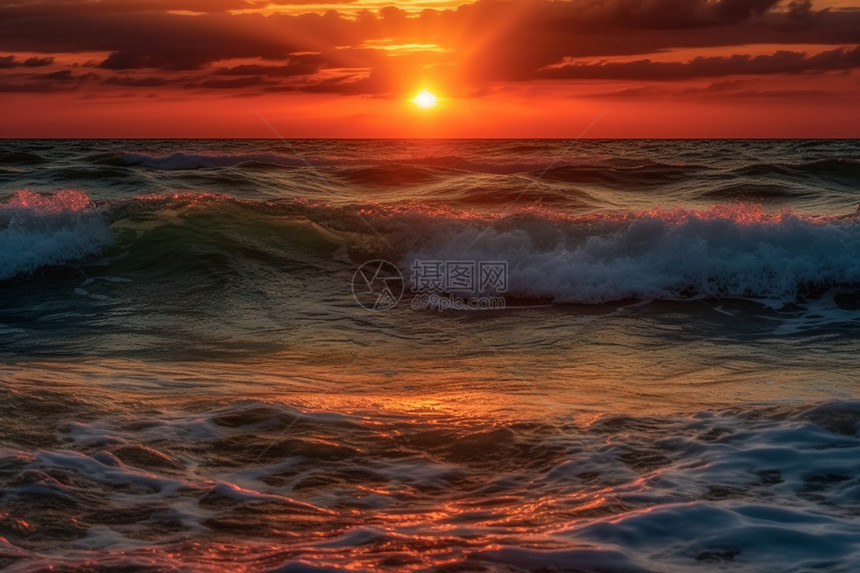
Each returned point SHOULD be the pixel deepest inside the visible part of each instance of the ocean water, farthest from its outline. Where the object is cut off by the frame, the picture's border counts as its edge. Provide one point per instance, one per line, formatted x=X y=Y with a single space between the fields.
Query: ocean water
x=198 y=374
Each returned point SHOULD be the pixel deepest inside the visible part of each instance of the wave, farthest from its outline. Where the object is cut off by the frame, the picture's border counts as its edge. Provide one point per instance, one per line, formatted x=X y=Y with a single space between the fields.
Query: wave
x=638 y=173
x=842 y=170
x=21 y=158
x=395 y=166
x=415 y=168
x=183 y=161
x=730 y=489
x=502 y=166
x=504 y=195
x=726 y=252
x=754 y=193
x=90 y=173
x=394 y=175
x=38 y=231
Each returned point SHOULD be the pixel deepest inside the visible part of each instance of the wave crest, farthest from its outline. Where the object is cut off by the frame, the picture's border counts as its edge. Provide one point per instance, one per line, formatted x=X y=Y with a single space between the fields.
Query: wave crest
x=725 y=252
x=46 y=230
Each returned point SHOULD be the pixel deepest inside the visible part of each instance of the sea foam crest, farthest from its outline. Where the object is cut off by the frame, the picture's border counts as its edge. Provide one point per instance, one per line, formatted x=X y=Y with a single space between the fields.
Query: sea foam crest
x=43 y=230
x=725 y=252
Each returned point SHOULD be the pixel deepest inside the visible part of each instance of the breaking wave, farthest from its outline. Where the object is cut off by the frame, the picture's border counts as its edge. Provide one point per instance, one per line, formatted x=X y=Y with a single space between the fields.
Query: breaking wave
x=724 y=252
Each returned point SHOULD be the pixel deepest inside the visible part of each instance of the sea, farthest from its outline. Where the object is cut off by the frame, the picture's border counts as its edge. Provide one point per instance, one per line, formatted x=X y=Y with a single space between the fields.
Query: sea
x=617 y=356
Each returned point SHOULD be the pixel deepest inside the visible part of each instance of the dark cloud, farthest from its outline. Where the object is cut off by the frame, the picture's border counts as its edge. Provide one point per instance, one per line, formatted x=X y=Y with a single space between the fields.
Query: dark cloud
x=303 y=66
x=40 y=87
x=61 y=76
x=147 y=82
x=7 y=62
x=547 y=33
x=148 y=39
x=659 y=14
x=128 y=60
x=236 y=83
x=62 y=80
x=638 y=92
x=344 y=85
x=781 y=62
x=65 y=76
x=139 y=38
x=782 y=94
x=38 y=62
x=728 y=89
x=42 y=8
x=484 y=42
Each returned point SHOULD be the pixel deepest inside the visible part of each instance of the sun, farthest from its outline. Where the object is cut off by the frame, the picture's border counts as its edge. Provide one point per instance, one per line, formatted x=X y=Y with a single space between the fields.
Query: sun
x=425 y=99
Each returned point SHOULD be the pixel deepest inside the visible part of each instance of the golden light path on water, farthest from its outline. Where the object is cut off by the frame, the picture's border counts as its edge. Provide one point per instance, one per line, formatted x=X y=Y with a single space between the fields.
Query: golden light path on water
x=609 y=378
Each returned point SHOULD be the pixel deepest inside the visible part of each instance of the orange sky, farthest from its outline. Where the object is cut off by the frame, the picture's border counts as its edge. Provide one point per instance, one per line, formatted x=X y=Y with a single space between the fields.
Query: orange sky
x=519 y=68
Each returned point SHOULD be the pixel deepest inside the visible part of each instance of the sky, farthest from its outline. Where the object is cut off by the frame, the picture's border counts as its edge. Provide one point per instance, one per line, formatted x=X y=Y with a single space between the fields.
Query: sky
x=515 y=68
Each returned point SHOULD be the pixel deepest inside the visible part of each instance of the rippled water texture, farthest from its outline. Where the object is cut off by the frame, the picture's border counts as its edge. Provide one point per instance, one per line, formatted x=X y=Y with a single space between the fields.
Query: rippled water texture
x=188 y=383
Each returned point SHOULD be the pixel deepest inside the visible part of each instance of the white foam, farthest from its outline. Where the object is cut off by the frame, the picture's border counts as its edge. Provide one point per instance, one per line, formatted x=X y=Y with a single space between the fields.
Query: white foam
x=236 y=493
x=107 y=473
x=670 y=255
x=672 y=537
x=38 y=231
x=586 y=559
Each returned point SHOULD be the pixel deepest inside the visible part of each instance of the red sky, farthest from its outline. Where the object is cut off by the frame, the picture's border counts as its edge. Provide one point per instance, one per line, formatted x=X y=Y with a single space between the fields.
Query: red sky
x=517 y=68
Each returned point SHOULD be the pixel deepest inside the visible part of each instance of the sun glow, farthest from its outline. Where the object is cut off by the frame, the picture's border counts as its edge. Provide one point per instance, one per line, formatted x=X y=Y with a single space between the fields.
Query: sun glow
x=425 y=99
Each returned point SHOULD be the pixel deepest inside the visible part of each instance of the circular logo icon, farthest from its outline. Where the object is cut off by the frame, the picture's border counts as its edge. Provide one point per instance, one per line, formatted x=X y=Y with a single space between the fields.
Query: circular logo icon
x=377 y=285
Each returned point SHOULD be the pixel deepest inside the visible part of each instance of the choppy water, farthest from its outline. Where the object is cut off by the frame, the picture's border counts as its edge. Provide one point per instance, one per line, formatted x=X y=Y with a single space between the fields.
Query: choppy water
x=189 y=383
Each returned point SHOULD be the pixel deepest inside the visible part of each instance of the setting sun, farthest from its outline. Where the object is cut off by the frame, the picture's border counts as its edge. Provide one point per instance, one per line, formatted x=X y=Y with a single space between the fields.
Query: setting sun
x=425 y=99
